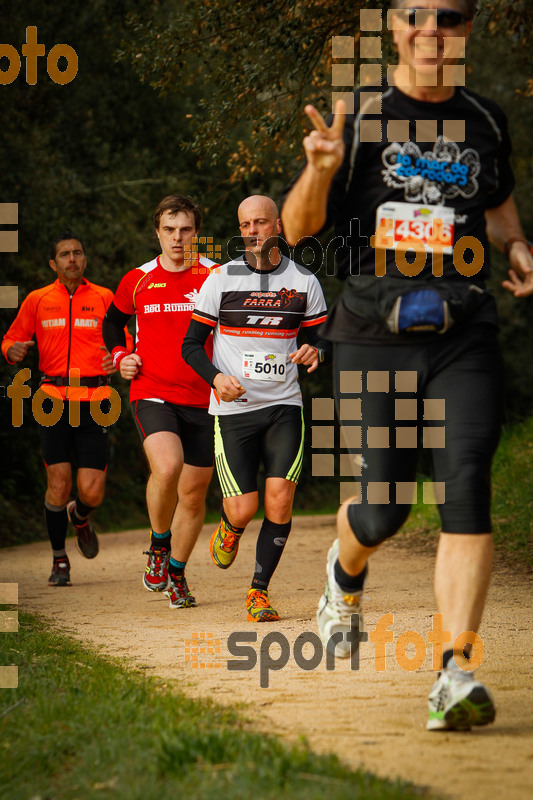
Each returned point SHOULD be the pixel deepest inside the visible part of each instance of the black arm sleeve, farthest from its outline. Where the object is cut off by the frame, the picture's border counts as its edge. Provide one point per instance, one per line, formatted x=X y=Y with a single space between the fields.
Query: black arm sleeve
x=193 y=351
x=113 y=328
x=323 y=345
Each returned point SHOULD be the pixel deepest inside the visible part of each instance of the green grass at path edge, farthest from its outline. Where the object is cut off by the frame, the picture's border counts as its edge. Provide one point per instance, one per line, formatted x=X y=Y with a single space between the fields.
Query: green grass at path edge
x=90 y=728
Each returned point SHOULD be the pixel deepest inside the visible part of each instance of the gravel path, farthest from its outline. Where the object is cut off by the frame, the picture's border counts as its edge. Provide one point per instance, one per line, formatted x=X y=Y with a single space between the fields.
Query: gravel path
x=369 y=718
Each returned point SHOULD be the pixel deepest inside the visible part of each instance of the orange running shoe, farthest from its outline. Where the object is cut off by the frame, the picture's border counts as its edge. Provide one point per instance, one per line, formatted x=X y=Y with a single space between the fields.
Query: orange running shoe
x=224 y=545
x=259 y=608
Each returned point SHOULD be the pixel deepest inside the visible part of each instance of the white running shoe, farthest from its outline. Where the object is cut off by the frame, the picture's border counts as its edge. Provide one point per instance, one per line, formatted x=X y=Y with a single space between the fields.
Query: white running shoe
x=335 y=610
x=457 y=701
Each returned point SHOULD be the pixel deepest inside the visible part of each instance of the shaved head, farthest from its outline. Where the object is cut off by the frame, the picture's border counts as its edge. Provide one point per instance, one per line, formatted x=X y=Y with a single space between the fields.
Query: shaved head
x=258 y=205
x=260 y=226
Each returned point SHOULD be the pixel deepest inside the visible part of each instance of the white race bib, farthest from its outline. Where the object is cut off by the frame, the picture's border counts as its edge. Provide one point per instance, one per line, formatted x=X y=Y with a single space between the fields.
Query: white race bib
x=264 y=366
x=431 y=225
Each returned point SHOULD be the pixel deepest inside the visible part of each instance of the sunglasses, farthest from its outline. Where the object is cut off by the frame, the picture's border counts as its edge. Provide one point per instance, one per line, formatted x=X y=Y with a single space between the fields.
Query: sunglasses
x=446 y=18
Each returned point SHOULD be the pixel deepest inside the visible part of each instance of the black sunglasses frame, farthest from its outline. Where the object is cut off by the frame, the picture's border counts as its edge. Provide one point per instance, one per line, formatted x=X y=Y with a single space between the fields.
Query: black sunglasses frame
x=446 y=17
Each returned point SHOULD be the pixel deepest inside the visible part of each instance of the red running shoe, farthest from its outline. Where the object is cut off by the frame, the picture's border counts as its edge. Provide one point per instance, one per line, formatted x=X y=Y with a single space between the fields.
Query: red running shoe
x=155 y=577
x=179 y=593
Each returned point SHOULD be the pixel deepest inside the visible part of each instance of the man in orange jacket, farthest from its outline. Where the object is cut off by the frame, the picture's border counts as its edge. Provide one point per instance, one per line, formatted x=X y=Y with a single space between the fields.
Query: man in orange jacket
x=66 y=319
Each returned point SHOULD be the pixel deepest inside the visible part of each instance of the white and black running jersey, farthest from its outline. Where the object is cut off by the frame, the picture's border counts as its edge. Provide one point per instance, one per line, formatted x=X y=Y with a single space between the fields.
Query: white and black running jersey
x=256 y=316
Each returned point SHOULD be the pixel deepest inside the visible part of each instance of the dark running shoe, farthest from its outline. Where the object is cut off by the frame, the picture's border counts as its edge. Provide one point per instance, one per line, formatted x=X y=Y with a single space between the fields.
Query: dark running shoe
x=86 y=538
x=60 y=572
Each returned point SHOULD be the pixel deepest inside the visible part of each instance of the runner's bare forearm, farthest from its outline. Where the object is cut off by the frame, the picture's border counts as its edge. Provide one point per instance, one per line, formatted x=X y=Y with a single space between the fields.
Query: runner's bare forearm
x=503 y=223
x=305 y=210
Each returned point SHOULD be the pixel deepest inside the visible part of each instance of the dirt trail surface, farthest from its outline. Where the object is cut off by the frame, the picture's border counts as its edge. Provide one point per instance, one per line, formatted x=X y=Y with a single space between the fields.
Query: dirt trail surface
x=368 y=718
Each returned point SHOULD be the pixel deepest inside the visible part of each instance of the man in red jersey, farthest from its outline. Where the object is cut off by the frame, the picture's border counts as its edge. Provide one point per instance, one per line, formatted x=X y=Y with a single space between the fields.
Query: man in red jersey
x=168 y=399
x=66 y=318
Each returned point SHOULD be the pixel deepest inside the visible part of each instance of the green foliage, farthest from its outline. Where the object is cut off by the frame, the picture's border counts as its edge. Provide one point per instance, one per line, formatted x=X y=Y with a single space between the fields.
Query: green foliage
x=512 y=508
x=255 y=66
x=94 y=156
x=79 y=726
x=206 y=99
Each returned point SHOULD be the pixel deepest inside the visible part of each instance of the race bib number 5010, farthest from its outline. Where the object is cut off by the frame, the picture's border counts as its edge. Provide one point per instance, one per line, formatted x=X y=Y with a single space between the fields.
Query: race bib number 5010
x=264 y=366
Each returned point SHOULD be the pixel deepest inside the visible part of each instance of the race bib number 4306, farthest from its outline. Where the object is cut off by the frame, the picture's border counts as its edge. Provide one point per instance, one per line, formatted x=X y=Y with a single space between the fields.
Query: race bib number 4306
x=264 y=366
x=430 y=225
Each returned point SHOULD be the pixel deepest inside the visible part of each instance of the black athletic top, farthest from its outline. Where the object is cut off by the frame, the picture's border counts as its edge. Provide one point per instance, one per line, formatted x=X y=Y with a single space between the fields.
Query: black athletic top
x=465 y=176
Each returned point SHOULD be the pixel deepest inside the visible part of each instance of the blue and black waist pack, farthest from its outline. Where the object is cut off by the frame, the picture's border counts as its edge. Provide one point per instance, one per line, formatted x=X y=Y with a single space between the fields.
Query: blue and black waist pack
x=419 y=311
x=407 y=305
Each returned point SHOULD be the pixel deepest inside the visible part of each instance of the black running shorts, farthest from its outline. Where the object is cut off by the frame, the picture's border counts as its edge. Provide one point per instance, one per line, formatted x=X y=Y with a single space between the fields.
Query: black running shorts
x=84 y=445
x=443 y=395
x=273 y=435
x=193 y=425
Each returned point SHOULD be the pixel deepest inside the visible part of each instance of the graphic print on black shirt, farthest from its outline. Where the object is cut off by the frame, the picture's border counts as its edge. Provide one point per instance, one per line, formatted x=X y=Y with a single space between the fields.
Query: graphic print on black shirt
x=465 y=176
x=431 y=176
x=414 y=182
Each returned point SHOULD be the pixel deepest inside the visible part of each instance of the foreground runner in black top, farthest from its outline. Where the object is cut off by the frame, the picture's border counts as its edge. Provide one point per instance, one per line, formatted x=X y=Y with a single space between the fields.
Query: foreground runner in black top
x=426 y=330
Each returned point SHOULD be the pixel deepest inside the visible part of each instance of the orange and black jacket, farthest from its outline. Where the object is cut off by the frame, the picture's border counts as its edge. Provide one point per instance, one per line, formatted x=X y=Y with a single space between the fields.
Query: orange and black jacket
x=68 y=329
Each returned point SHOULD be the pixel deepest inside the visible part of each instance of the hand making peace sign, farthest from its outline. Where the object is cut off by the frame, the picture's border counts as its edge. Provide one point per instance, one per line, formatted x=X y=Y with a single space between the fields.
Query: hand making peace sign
x=324 y=147
x=305 y=209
